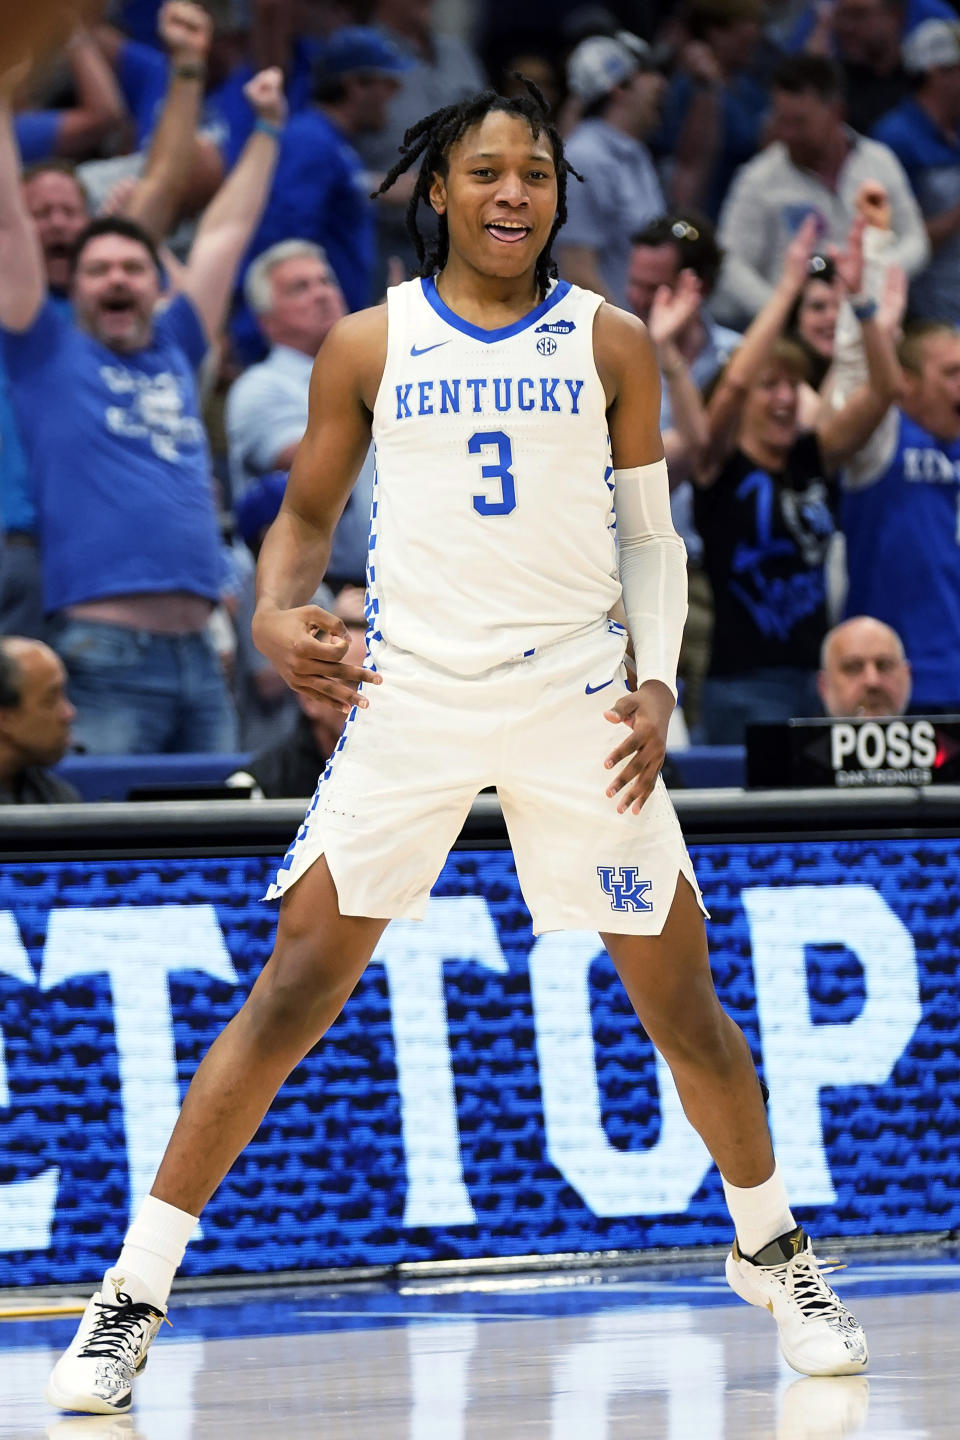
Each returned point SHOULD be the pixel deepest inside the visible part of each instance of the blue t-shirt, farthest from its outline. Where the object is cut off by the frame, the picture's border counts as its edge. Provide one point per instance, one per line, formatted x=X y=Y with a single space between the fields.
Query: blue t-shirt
x=144 y=76
x=17 y=508
x=119 y=458
x=320 y=192
x=932 y=163
x=903 y=557
x=227 y=118
x=36 y=132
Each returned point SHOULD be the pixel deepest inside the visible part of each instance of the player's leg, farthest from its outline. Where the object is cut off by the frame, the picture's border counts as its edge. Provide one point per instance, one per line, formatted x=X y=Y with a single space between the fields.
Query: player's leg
x=318 y=958
x=668 y=980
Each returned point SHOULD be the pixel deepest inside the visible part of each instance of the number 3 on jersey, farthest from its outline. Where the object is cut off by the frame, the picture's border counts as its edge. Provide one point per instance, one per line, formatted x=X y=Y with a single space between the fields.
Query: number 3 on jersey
x=495 y=440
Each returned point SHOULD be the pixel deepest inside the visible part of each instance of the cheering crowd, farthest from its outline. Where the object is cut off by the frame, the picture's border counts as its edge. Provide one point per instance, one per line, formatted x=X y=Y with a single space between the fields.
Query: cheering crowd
x=185 y=212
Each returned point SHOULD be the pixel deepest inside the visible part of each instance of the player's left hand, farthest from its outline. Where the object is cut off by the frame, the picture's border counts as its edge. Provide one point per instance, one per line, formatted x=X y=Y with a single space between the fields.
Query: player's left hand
x=646 y=713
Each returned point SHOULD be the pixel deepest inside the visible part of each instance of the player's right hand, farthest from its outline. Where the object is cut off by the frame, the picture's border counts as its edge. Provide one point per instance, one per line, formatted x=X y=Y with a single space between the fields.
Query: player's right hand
x=306 y=646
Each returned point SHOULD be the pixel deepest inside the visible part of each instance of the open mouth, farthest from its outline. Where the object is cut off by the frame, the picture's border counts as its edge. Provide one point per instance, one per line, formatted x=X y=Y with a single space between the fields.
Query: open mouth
x=117 y=305
x=508 y=232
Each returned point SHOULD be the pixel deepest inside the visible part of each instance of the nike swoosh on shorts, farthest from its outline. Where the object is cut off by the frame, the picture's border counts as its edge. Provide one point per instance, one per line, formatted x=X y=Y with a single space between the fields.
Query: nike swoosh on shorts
x=415 y=351
x=592 y=689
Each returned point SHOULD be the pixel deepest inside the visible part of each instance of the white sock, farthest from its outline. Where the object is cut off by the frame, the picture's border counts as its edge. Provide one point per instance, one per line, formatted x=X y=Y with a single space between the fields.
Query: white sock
x=760 y=1213
x=152 y=1251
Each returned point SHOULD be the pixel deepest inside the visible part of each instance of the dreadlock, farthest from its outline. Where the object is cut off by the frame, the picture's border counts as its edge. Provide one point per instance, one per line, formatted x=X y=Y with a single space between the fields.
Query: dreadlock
x=431 y=140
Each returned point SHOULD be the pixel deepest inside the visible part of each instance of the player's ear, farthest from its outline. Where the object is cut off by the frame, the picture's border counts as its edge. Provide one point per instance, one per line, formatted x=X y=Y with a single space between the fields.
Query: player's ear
x=438 y=194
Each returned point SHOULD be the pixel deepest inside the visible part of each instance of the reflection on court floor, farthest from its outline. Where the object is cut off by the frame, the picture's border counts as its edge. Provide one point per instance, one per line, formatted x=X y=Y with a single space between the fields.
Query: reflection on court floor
x=649 y=1354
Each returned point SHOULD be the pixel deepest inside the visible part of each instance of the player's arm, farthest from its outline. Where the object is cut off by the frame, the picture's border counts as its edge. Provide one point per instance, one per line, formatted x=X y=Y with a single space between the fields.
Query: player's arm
x=652 y=557
x=296 y=550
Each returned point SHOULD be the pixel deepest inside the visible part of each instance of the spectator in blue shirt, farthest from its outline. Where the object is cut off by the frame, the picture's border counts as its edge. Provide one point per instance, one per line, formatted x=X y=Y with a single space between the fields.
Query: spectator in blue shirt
x=108 y=408
x=321 y=190
x=76 y=130
x=715 y=107
x=145 y=75
x=900 y=506
x=57 y=205
x=924 y=134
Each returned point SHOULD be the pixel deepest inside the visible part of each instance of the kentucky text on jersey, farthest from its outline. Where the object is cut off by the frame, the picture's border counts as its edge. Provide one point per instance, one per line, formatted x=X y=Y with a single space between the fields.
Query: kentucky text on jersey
x=930 y=465
x=488 y=395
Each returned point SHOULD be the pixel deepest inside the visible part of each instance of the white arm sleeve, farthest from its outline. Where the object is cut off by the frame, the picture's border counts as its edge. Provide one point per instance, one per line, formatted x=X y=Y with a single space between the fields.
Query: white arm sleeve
x=653 y=571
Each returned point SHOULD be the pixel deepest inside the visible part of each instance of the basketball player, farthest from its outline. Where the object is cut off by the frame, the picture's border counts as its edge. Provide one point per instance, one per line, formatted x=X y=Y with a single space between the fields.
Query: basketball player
x=510 y=414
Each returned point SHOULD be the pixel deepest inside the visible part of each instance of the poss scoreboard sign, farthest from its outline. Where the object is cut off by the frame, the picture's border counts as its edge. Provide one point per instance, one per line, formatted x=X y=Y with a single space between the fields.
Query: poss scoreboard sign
x=484 y=1093
x=855 y=754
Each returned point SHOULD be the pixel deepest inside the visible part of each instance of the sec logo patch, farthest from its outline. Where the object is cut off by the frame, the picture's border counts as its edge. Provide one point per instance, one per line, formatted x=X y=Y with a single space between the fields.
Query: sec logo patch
x=546 y=345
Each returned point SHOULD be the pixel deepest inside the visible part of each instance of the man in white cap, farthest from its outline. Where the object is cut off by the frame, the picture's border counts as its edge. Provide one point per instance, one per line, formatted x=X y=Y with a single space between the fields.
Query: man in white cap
x=620 y=94
x=924 y=133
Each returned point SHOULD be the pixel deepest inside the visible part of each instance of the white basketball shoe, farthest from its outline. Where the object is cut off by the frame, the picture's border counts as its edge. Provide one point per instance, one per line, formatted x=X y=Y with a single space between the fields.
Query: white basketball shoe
x=95 y=1374
x=818 y=1335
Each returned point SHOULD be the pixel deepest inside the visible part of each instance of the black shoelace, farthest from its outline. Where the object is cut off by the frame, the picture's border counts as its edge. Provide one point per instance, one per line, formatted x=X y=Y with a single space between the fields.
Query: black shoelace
x=117 y=1324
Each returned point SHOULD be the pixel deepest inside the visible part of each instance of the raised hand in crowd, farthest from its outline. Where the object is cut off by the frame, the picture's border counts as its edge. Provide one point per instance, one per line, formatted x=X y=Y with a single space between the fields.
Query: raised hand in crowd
x=892 y=304
x=186 y=30
x=872 y=203
x=849 y=262
x=265 y=93
x=179 y=158
x=229 y=221
x=671 y=312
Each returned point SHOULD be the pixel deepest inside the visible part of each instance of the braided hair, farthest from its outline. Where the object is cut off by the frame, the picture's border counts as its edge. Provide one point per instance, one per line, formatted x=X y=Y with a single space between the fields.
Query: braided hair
x=430 y=142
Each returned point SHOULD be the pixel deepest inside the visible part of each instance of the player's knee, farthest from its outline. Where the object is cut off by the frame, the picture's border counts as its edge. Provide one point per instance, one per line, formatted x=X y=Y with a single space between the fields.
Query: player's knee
x=698 y=1035
x=295 y=999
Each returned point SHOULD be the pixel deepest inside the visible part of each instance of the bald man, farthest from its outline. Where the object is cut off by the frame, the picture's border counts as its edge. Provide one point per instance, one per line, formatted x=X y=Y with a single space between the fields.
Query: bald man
x=863 y=670
x=35 y=721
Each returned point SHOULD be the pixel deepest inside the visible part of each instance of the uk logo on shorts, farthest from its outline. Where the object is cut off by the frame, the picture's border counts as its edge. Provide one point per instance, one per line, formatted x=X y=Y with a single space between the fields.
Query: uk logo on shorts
x=626 y=890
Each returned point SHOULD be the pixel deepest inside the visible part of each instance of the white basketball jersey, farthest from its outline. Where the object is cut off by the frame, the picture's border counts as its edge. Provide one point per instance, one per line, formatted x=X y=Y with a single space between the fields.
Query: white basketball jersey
x=492 y=522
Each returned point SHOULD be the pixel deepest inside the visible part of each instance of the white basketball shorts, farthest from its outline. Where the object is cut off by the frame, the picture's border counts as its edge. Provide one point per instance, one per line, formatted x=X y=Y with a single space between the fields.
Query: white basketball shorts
x=405 y=772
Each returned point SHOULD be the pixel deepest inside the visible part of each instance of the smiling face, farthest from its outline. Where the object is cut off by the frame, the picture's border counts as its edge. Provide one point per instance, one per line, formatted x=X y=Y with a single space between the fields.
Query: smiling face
x=769 y=420
x=58 y=209
x=115 y=289
x=932 y=395
x=499 y=196
x=817 y=317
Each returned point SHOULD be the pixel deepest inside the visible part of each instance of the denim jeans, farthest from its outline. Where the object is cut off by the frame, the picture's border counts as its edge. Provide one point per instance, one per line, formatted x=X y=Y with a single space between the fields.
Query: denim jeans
x=762 y=697
x=142 y=693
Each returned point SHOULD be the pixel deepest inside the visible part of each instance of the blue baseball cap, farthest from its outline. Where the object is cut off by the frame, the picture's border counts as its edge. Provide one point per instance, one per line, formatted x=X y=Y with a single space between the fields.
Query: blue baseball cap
x=360 y=47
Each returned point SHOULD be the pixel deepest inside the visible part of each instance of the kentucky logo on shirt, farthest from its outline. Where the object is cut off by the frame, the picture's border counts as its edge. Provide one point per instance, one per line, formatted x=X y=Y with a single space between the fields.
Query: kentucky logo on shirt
x=154 y=412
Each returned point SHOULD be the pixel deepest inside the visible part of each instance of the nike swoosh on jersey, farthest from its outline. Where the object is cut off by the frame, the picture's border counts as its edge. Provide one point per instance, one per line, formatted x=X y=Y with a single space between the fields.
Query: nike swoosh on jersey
x=592 y=689
x=415 y=351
